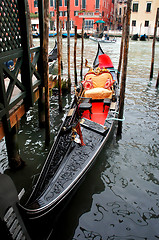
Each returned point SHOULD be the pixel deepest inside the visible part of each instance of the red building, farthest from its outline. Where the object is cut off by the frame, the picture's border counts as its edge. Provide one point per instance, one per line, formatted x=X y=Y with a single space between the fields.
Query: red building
x=90 y=10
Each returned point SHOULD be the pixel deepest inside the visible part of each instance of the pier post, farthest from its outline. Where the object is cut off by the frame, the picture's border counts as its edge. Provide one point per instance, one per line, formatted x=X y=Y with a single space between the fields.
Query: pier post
x=124 y=67
x=59 y=33
x=153 y=44
x=46 y=71
x=41 y=107
x=121 y=47
x=75 y=49
x=68 y=44
x=82 y=49
x=41 y=100
x=61 y=27
x=14 y=159
x=157 y=82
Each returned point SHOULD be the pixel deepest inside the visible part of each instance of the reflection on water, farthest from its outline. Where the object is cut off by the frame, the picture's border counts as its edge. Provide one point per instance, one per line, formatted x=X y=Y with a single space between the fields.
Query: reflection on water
x=119 y=198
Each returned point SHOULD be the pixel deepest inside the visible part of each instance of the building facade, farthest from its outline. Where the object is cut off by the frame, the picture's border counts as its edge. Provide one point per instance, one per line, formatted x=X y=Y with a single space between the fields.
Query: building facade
x=143 y=17
x=89 y=10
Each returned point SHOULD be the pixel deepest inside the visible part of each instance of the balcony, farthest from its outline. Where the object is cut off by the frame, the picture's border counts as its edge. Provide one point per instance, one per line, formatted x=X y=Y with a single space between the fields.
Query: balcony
x=85 y=14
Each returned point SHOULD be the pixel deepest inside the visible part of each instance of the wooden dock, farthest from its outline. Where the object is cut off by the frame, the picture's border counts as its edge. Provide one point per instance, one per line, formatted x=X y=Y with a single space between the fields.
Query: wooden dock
x=18 y=111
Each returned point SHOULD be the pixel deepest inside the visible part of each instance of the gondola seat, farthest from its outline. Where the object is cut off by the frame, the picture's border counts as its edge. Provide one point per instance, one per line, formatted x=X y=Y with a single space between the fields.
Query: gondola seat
x=98 y=93
x=98 y=85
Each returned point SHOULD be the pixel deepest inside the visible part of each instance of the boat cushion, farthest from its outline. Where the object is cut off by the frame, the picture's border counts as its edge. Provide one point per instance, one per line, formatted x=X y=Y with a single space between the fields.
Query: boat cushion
x=109 y=83
x=88 y=84
x=99 y=80
x=98 y=93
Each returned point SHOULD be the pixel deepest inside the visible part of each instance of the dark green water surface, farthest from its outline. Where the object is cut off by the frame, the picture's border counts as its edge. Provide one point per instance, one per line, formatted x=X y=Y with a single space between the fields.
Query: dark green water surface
x=119 y=198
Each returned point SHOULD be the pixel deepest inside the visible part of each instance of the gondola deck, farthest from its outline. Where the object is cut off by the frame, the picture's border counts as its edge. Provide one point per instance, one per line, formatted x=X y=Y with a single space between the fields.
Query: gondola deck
x=97 y=115
x=70 y=168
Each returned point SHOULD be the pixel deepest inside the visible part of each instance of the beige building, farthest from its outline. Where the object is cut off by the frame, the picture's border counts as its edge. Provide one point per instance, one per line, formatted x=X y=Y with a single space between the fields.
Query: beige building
x=143 y=17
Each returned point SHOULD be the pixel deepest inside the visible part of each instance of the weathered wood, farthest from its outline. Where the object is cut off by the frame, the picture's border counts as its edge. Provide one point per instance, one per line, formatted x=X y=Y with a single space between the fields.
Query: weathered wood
x=19 y=111
x=121 y=47
x=30 y=30
x=82 y=50
x=61 y=27
x=153 y=44
x=15 y=161
x=124 y=67
x=157 y=82
x=26 y=65
x=41 y=99
x=59 y=35
x=68 y=44
x=46 y=71
x=20 y=20
x=75 y=50
x=41 y=107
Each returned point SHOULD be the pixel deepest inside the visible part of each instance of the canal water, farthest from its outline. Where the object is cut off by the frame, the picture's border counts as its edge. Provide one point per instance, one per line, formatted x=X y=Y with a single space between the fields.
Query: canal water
x=119 y=197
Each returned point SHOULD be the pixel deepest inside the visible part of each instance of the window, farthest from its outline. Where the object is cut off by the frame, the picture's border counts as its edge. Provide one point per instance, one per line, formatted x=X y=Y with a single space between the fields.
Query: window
x=55 y=4
x=76 y=3
x=35 y=3
x=60 y=3
x=60 y=13
x=65 y=3
x=135 y=7
x=65 y=13
x=83 y=3
x=51 y=3
x=75 y=13
x=97 y=4
x=88 y=24
x=134 y=23
x=51 y=14
x=148 y=7
x=146 y=23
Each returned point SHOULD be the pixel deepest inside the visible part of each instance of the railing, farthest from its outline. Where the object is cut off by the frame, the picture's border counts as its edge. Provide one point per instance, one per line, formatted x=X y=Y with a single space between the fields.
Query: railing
x=13 y=91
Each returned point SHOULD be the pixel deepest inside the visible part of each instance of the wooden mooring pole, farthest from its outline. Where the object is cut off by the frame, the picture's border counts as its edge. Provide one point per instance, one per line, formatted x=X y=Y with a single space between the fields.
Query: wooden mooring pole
x=41 y=100
x=46 y=71
x=14 y=159
x=75 y=49
x=82 y=49
x=153 y=44
x=59 y=57
x=61 y=27
x=157 y=82
x=124 y=67
x=121 y=47
x=68 y=44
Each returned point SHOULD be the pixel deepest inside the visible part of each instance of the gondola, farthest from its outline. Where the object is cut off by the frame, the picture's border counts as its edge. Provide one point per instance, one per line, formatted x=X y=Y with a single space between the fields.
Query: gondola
x=52 y=34
x=36 y=35
x=79 y=35
x=85 y=130
x=52 y=58
x=102 y=40
x=86 y=35
x=135 y=37
x=143 y=37
x=64 y=35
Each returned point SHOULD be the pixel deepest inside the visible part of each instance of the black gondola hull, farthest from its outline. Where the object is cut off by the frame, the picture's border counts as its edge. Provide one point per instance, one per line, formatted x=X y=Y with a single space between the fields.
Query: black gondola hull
x=68 y=160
